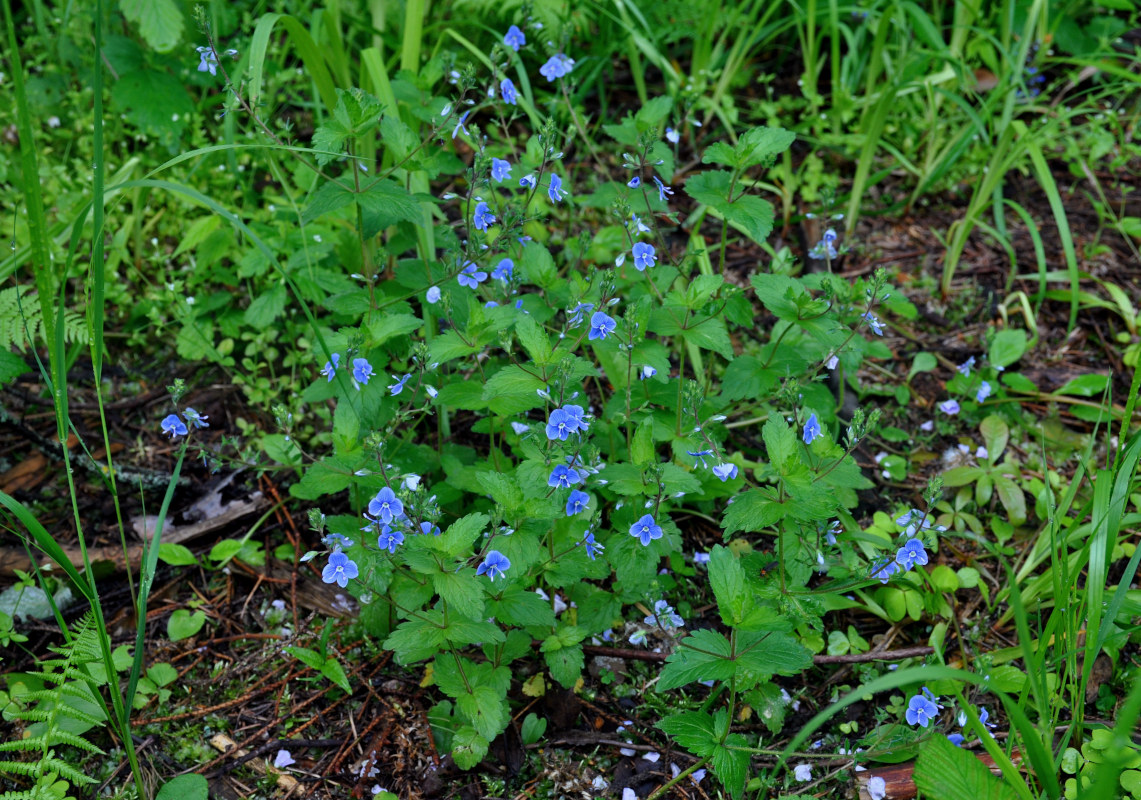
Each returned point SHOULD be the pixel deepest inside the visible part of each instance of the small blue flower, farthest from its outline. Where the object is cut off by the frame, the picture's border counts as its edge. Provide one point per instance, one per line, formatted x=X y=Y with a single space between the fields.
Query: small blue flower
x=956 y=739
x=634 y=182
x=339 y=570
x=726 y=472
x=638 y=224
x=471 y=276
x=494 y=565
x=577 y=502
x=601 y=326
x=873 y=322
x=194 y=418
x=503 y=270
x=663 y=190
x=432 y=296
x=575 y=415
x=563 y=477
x=385 y=506
x=911 y=553
x=560 y=425
x=643 y=256
x=514 y=38
x=460 y=125
x=208 y=61
x=398 y=387
x=428 y=529
x=574 y=318
x=529 y=181
x=646 y=372
x=825 y=248
x=883 y=572
x=920 y=711
x=389 y=539
x=362 y=370
x=510 y=96
x=174 y=426
x=331 y=366
x=983 y=393
x=337 y=541
x=950 y=407
x=700 y=456
x=646 y=530
x=500 y=170
x=965 y=368
x=555 y=188
x=557 y=66
x=811 y=429
x=593 y=548
x=665 y=616
x=672 y=136
x=483 y=218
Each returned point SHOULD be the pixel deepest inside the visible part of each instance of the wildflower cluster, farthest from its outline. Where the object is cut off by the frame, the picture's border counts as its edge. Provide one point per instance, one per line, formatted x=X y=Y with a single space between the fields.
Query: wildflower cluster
x=915 y=524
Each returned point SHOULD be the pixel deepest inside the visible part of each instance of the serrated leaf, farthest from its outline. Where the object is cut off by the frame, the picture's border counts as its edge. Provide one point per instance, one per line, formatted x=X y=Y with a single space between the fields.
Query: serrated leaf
x=390 y=326
x=517 y=606
x=534 y=340
x=383 y=203
x=753 y=511
x=485 y=710
x=458 y=538
x=768 y=653
x=159 y=22
x=761 y=144
x=693 y=730
x=780 y=441
x=727 y=577
x=951 y=773
x=266 y=307
x=642 y=450
x=461 y=590
x=155 y=102
x=468 y=747
x=416 y=639
x=704 y=655
x=719 y=153
x=731 y=763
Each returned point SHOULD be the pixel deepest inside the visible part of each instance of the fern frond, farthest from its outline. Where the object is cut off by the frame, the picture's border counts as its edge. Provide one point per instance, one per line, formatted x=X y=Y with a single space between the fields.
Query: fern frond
x=66 y=771
x=28 y=768
x=29 y=714
x=20 y=315
x=23 y=794
x=67 y=737
x=28 y=745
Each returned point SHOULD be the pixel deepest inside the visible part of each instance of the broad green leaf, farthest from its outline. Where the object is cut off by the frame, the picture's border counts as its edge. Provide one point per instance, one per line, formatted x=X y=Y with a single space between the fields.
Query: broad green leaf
x=951 y=773
x=159 y=21
x=357 y=112
x=701 y=656
x=458 y=538
x=693 y=730
x=504 y=489
x=468 y=747
x=11 y=366
x=642 y=450
x=995 y=433
x=534 y=340
x=176 y=555
x=390 y=326
x=1007 y=347
x=330 y=475
x=517 y=606
x=780 y=441
x=760 y=145
x=185 y=787
x=416 y=639
x=485 y=709
x=310 y=658
x=727 y=577
x=466 y=631
x=266 y=307
x=333 y=670
x=731 y=763
x=461 y=590
x=753 y=511
x=538 y=267
x=155 y=102
x=771 y=653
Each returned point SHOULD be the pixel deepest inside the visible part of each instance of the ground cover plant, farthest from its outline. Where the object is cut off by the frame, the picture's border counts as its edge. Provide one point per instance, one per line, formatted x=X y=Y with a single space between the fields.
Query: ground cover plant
x=555 y=399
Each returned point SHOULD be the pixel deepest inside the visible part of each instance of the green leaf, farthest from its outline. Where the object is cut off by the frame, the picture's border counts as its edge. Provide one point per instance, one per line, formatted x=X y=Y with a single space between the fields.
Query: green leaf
x=565 y=664
x=704 y=655
x=534 y=340
x=727 y=577
x=731 y=764
x=1085 y=385
x=642 y=450
x=182 y=624
x=176 y=555
x=383 y=203
x=185 y=787
x=720 y=153
x=330 y=475
x=761 y=145
x=266 y=307
x=538 y=266
x=155 y=102
x=310 y=658
x=1007 y=347
x=159 y=22
x=461 y=590
x=768 y=653
x=162 y=674
x=416 y=639
x=449 y=345
x=951 y=773
x=502 y=488
x=769 y=705
x=11 y=366
x=513 y=390
x=995 y=433
x=357 y=112
x=466 y=631
x=390 y=326
x=468 y=747
x=532 y=729
x=460 y=535
x=751 y=214
x=709 y=334
x=693 y=730
x=517 y=606
x=780 y=441
x=485 y=709
x=333 y=670
x=753 y=511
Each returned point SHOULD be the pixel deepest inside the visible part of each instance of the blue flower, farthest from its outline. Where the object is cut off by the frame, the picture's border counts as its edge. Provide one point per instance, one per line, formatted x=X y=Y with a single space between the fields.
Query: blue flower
x=563 y=477
x=208 y=61
x=471 y=276
x=576 y=414
x=428 y=529
x=643 y=256
x=873 y=322
x=883 y=572
x=557 y=66
x=398 y=387
x=911 y=553
x=700 y=456
x=637 y=223
x=389 y=539
x=955 y=739
x=362 y=370
x=601 y=326
x=726 y=472
x=483 y=217
x=663 y=190
x=500 y=170
x=574 y=319
x=965 y=368
x=560 y=425
x=460 y=125
x=672 y=136
x=555 y=188
x=336 y=541
x=502 y=271
x=664 y=616
x=385 y=506
x=646 y=530
x=577 y=502
x=339 y=570
x=510 y=96
x=194 y=418
x=950 y=407
x=432 y=296
x=983 y=393
x=811 y=429
x=331 y=366
x=494 y=565
x=529 y=181
x=593 y=548
x=920 y=711
x=825 y=248
x=514 y=38
x=646 y=372
x=634 y=182
x=174 y=426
